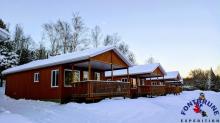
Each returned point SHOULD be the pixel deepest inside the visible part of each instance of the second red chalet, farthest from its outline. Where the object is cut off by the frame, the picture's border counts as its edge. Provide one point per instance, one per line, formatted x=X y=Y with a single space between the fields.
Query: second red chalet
x=137 y=77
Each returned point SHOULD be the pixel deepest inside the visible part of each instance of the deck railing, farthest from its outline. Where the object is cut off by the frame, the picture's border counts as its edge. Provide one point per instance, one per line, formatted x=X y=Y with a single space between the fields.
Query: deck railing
x=173 y=89
x=93 y=89
x=152 y=90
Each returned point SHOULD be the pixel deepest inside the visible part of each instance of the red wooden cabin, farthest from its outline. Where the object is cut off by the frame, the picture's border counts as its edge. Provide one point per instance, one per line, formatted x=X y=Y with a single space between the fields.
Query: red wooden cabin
x=172 y=81
x=137 y=78
x=78 y=75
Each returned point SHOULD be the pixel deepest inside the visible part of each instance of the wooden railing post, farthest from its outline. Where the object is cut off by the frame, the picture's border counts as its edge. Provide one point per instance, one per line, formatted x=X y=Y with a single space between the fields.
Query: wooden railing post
x=112 y=72
x=90 y=88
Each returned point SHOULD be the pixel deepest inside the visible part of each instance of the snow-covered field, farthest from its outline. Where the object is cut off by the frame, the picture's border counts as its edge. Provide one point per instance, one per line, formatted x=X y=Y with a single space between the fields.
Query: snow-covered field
x=165 y=109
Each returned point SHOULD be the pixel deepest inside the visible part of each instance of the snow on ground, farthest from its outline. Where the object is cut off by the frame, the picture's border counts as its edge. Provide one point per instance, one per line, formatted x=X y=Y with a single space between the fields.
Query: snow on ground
x=164 y=109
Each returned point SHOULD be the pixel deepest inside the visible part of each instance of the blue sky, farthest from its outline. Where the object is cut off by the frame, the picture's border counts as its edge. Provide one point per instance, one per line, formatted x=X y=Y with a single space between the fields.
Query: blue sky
x=180 y=34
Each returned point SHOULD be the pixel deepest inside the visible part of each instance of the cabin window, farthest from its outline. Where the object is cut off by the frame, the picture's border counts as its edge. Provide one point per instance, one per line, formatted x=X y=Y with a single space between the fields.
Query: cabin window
x=85 y=75
x=97 y=76
x=36 y=77
x=76 y=76
x=67 y=77
x=154 y=83
x=142 y=82
x=54 y=78
x=124 y=80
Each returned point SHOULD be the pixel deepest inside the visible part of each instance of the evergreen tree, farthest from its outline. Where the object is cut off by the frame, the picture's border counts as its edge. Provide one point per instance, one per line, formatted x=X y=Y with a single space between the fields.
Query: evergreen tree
x=2 y=24
x=25 y=56
x=8 y=58
x=211 y=78
x=41 y=52
x=217 y=83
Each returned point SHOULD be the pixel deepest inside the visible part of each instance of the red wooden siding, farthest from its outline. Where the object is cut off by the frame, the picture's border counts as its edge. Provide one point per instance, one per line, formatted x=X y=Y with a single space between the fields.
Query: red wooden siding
x=22 y=85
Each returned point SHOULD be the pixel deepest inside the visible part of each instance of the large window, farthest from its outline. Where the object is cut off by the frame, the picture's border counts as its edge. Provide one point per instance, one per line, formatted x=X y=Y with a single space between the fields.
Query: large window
x=134 y=83
x=36 y=77
x=85 y=75
x=76 y=76
x=54 y=78
x=124 y=80
x=68 y=77
x=97 y=76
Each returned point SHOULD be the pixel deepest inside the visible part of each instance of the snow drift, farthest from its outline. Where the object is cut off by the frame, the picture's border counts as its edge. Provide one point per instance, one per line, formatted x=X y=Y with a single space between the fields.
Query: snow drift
x=164 y=109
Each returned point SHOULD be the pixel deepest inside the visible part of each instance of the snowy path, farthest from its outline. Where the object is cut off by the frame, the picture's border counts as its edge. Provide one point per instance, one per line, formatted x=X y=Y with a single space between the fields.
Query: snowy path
x=118 y=110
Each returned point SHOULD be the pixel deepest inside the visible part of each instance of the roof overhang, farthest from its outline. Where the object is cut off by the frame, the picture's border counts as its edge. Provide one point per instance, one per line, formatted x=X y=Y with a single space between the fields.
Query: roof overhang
x=135 y=71
x=66 y=58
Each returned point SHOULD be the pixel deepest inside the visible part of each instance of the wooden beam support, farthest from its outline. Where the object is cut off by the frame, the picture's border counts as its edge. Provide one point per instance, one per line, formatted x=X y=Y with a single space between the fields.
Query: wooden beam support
x=89 y=70
x=128 y=74
x=112 y=72
x=90 y=93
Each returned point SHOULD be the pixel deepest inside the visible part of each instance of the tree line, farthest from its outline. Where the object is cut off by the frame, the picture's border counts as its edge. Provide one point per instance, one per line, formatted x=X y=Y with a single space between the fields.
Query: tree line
x=203 y=79
x=67 y=37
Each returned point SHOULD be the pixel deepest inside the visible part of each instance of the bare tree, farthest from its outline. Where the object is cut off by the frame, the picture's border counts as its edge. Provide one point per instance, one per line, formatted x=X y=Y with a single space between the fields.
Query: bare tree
x=199 y=77
x=18 y=37
x=123 y=48
x=96 y=36
x=28 y=43
x=107 y=40
x=131 y=57
x=51 y=35
x=63 y=31
x=150 y=60
x=23 y=45
x=78 y=33
x=113 y=40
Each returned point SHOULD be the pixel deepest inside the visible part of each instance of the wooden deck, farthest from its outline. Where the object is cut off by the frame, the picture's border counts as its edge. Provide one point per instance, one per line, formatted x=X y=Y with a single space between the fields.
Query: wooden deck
x=150 y=90
x=173 y=89
x=92 y=89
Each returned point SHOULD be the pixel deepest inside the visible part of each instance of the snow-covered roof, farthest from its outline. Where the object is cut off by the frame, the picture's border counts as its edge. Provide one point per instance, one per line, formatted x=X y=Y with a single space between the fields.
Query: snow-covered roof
x=3 y=34
x=66 y=58
x=138 y=69
x=172 y=75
